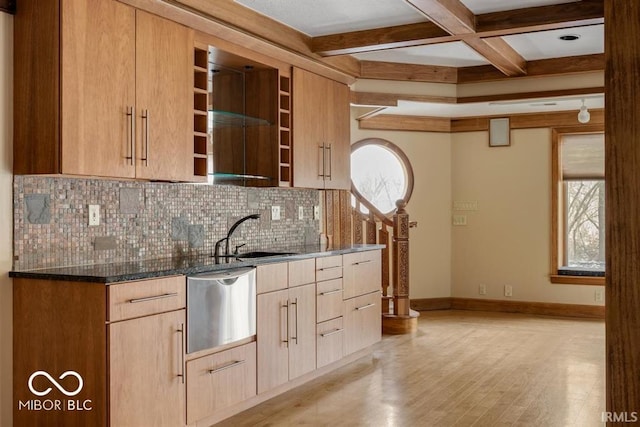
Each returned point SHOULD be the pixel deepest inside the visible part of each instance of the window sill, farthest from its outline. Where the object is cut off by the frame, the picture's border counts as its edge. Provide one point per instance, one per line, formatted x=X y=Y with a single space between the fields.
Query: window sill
x=577 y=280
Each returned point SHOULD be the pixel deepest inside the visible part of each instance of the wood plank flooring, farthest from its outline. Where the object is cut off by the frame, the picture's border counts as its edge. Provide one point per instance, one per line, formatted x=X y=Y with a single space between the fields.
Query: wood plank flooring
x=460 y=369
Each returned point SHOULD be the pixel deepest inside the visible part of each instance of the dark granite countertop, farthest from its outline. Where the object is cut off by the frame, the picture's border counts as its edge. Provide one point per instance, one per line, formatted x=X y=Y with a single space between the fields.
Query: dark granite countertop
x=125 y=271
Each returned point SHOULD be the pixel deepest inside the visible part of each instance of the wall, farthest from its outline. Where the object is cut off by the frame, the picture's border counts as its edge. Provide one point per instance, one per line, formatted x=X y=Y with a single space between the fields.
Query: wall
x=507 y=241
x=146 y=220
x=430 y=205
x=6 y=218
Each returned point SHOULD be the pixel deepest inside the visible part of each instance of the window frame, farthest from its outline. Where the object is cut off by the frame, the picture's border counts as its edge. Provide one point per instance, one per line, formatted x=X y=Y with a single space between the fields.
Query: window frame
x=404 y=160
x=558 y=203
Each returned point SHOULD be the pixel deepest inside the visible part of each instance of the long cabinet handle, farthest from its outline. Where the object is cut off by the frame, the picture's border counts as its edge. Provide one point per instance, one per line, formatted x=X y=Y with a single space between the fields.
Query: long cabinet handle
x=329 y=151
x=326 y=334
x=330 y=268
x=145 y=120
x=335 y=291
x=321 y=159
x=227 y=366
x=286 y=316
x=153 y=297
x=362 y=262
x=131 y=134
x=364 y=307
x=295 y=337
x=182 y=365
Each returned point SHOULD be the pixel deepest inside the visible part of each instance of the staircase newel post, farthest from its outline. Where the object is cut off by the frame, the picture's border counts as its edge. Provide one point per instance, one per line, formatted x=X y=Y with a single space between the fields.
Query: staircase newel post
x=401 y=303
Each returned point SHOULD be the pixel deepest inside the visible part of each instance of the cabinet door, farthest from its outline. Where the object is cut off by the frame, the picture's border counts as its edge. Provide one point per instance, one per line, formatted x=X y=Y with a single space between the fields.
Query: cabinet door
x=272 y=337
x=310 y=103
x=362 y=322
x=164 y=99
x=302 y=330
x=337 y=137
x=146 y=359
x=98 y=88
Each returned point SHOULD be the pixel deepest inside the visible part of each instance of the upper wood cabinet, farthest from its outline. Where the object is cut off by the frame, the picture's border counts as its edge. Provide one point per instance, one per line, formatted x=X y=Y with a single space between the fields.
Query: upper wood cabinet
x=321 y=146
x=95 y=93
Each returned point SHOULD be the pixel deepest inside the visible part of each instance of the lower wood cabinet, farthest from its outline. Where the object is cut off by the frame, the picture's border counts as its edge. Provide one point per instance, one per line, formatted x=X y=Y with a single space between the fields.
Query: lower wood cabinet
x=286 y=334
x=362 y=322
x=146 y=370
x=330 y=341
x=220 y=380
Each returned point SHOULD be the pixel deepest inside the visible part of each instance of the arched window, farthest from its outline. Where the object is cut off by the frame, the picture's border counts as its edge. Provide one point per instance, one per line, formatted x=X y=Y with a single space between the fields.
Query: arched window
x=380 y=173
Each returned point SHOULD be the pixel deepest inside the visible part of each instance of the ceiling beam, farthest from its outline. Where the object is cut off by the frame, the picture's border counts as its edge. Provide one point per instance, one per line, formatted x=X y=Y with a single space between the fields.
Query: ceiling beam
x=407 y=72
x=585 y=12
x=542 y=67
x=450 y=15
x=500 y=54
x=391 y=99
x=407 y=123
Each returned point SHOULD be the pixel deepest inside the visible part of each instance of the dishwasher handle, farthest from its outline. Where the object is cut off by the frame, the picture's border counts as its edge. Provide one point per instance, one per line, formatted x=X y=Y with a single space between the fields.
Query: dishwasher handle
x=223 y=275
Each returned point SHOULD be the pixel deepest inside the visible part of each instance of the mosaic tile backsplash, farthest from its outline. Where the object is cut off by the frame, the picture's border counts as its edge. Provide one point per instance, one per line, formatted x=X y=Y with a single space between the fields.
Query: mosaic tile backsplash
x=144 y=220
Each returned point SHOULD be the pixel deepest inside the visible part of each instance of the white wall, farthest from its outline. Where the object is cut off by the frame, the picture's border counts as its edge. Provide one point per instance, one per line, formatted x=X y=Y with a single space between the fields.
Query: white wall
x=6 y=217
x=508 y=240
x=430 y=242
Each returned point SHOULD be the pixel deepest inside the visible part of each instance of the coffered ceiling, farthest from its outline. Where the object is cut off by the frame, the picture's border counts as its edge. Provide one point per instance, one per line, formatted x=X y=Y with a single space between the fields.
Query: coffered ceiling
x=451 y=41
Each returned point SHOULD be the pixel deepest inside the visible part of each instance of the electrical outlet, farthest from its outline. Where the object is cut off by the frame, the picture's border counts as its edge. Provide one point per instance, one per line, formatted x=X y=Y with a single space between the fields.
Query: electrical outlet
x=508 y=291
x=300 y=212
x=94 y=215
x=598 y=296
x=316 y=212
x=482 y=289
x=275 y=213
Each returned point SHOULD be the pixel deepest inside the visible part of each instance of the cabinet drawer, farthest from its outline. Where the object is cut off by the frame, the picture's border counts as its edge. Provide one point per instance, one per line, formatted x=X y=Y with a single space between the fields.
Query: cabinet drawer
x=329 y=300
x=330 y=341
x=362 y=322
x=135 y=299
x=328 y=268
x=271 y=277
x=362 y=273
x=220 y=380
x=302 y=272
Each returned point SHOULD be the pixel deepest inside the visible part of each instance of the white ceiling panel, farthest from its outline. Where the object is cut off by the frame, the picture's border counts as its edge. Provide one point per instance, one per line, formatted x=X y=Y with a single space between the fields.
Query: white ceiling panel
x=456 y=54
x=495 y=108
x=321 y=17
x=546 y=44
x=487 y=6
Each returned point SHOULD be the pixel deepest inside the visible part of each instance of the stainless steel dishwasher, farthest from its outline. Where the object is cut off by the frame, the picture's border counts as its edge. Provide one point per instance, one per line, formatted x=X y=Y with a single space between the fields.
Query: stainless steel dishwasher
x=221 y=308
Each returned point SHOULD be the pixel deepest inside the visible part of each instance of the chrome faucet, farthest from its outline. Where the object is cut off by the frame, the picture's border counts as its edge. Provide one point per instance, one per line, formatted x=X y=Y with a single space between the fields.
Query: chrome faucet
x=226 y=239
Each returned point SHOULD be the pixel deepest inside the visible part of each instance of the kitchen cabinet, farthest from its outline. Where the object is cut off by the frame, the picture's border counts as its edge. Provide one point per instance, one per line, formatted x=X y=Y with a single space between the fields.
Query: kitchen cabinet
x=321 y=154
x=124 y=340
x=220 y=380
x=286 y=332
x=362 y=281
x=95 y=94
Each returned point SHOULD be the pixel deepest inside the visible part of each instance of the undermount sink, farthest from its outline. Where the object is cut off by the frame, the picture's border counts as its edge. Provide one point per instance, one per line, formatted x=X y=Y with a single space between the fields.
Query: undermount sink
x=261 y=254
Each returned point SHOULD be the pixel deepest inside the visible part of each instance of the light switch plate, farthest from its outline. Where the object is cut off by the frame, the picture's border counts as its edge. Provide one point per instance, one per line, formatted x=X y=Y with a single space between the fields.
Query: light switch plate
x=300 y=212
x=316 y=212
x=275 y=213
x=94 y=215
x=459 y=220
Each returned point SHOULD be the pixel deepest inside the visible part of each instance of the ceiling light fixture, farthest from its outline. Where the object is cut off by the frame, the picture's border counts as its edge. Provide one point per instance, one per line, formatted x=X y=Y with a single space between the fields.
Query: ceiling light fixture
x=583 y=114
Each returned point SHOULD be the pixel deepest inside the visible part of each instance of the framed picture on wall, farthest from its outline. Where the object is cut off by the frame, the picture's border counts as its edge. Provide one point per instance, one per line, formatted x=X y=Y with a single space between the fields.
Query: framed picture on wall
x=499 y=132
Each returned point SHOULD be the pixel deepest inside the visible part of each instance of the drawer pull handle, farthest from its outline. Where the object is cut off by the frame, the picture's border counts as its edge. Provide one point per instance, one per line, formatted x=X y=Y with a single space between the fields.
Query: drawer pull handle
x=335 y=291
x=326 y=334
x=182 y=365
x=151 y=298
x=364 y=307
x=286 y=316
x=362 y=262
x=227 y=366
x=330 y=268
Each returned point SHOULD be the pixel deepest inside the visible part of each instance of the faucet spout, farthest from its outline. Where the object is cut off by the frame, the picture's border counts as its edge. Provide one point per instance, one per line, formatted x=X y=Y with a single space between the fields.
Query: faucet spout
x=230 y=233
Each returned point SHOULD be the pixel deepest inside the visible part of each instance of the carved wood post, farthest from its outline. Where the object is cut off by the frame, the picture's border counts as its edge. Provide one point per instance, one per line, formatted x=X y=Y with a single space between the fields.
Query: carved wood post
x=401 y=260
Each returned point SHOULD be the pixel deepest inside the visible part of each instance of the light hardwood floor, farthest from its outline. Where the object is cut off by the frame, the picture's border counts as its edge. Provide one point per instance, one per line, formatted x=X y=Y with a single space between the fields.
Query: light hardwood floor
x=460 y=369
